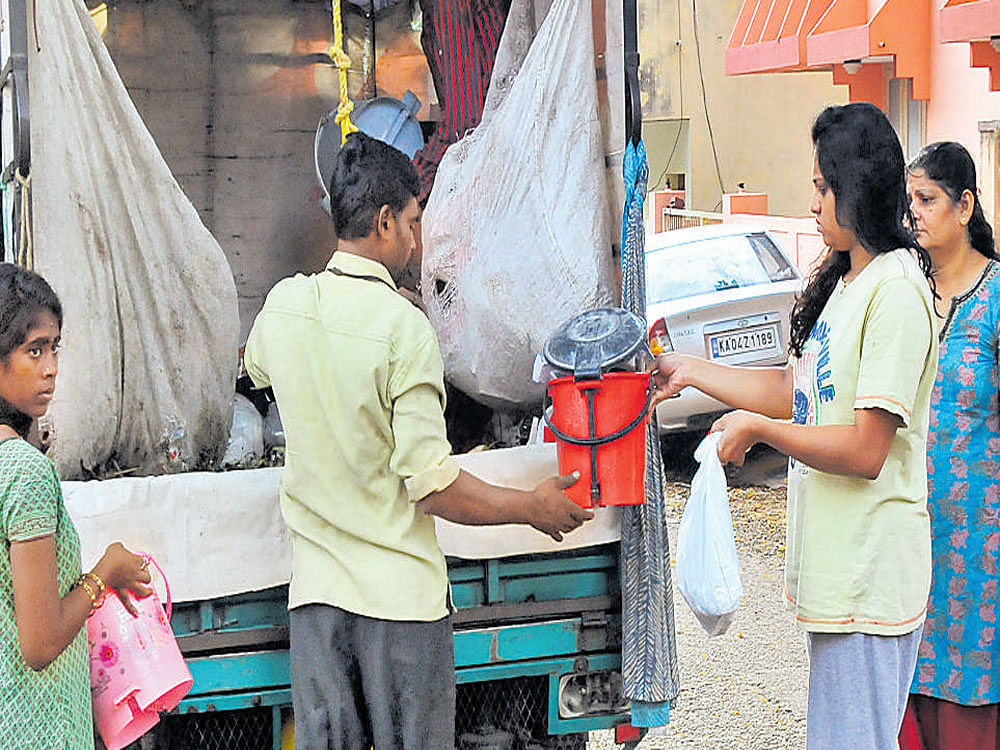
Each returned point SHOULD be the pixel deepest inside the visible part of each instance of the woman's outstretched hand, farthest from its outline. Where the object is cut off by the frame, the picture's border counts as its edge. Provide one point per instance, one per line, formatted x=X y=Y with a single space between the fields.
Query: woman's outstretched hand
x=670 y=375
x=740 y=432
x=122 y=571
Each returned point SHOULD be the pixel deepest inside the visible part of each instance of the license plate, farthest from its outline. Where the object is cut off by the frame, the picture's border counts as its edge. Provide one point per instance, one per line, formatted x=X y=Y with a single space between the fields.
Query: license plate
x=756 y=339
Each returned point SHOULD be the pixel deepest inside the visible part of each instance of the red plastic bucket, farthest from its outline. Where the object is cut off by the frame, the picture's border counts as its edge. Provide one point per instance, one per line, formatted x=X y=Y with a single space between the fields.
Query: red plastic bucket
x=620 y=400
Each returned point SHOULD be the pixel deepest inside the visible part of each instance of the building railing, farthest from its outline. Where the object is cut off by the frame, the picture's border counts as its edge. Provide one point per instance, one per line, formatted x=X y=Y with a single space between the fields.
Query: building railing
x=680 y=218
x=798 y=236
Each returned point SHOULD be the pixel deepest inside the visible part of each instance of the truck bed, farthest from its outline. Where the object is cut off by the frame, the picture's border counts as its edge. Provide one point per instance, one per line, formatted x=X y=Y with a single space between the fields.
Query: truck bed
x=533 y=634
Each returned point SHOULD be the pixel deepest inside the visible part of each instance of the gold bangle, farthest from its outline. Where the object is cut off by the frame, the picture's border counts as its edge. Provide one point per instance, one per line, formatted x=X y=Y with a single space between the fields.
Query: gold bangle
x=102 y=590
x=87 y=586
x=95 y=578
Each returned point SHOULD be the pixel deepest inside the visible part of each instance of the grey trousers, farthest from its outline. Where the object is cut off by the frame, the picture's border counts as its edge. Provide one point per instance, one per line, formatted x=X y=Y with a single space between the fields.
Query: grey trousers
x=359 y=682
x=858 y=687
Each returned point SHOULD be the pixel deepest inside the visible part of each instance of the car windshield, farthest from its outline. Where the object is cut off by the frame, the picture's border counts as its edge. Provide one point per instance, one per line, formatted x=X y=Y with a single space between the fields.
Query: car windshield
x=713 y=264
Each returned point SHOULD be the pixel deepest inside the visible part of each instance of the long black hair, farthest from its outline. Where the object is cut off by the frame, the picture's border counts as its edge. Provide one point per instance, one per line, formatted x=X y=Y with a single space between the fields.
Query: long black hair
x=23 y=296
x=950 y=166
x=862 y=162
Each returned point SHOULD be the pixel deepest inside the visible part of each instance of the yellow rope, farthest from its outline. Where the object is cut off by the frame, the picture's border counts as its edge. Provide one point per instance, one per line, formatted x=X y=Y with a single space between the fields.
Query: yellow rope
x=342 y=62
x=25 y=252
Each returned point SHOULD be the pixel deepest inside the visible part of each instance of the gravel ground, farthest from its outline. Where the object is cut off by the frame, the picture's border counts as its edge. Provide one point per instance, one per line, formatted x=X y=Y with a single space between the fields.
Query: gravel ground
x=745 y=689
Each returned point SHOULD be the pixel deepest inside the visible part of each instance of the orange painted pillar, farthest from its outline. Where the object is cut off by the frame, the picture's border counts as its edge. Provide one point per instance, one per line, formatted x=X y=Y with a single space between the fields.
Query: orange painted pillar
x=744 y=203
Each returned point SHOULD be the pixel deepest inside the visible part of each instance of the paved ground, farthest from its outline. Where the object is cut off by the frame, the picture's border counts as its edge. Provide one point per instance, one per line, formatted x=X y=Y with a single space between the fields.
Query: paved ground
x=745 y=689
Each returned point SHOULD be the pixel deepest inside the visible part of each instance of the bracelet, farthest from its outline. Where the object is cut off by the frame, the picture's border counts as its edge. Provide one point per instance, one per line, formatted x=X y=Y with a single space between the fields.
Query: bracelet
x=101 y=588
x=89 y=588
x=96 y=579
x=81 y=581
x=92 y=579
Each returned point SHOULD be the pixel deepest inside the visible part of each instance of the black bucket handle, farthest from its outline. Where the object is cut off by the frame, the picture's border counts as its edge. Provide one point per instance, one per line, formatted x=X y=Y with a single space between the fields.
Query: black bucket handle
x=603 y=439
x=593 y=441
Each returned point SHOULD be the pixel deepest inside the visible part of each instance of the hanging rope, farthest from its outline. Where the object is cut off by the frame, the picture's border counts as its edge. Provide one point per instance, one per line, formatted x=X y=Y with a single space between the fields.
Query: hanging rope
x=8 y=232
x=25 y=252
x=342 y=62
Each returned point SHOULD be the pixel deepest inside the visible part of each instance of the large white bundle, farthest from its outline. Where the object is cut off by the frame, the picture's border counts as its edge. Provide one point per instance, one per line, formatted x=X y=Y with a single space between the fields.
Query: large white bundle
x=151 y=324
x=516 y=236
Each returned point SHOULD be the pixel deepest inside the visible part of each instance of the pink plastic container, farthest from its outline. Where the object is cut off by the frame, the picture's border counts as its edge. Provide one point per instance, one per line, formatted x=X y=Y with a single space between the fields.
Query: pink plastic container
x=136 y=667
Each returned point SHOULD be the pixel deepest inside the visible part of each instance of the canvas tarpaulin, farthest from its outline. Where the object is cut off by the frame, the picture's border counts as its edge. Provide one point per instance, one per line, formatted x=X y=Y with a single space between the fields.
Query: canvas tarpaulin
x=196 y=541
x=150 y=326
x=516 y=232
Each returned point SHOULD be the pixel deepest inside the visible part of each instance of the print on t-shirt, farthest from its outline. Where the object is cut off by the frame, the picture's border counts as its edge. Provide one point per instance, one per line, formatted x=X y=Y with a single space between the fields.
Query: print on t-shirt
x=813 y=377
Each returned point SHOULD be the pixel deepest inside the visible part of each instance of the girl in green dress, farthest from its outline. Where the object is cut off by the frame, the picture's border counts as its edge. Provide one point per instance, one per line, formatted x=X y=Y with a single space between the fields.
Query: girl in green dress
x=44 y=599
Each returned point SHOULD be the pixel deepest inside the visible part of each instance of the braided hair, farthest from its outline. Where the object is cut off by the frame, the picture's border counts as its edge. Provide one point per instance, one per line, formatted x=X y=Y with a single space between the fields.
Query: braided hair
x=950 y=166
x=23 y=296
x=862 y=162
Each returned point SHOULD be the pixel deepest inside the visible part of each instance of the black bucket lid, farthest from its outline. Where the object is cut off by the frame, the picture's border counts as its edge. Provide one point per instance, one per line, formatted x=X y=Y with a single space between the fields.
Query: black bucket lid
x=594 y=341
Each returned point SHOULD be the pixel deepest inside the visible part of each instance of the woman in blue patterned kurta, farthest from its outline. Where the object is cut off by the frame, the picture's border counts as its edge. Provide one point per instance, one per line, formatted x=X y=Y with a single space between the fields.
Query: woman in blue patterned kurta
x=955 y=694
x=44 y=601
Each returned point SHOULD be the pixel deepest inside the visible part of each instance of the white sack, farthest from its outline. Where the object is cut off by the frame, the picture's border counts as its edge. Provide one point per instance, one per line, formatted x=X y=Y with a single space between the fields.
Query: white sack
x=515 y=232
x=708 y=570
x=151 y=325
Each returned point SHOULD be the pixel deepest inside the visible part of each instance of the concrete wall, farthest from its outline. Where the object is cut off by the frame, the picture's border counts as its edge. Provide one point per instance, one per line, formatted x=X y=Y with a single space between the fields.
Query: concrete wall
x=232 y=91
x=760 y=122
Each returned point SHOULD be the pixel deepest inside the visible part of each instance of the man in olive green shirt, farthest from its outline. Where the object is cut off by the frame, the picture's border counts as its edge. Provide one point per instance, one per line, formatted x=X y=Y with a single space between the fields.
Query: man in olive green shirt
x=359 y=382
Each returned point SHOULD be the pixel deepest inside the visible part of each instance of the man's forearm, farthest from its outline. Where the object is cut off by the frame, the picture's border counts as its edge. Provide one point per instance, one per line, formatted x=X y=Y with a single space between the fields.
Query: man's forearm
x=472 y=501
x=469 y=500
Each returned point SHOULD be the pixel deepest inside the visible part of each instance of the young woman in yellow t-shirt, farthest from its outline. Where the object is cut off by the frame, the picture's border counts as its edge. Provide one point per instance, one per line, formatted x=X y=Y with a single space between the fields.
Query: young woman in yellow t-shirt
x=851 y=412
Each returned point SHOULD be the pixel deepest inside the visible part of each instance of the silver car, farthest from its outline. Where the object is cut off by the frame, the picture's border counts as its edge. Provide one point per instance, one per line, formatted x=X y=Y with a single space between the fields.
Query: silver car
x=722 y=292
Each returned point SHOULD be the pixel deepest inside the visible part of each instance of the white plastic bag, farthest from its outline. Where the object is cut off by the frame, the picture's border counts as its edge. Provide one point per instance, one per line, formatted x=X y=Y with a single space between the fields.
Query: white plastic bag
x=246 y=439
x=708 y=570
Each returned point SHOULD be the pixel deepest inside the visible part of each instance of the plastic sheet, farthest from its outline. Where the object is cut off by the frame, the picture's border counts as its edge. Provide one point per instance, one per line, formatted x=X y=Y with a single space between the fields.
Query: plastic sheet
x=246 y=437
x=516 y=235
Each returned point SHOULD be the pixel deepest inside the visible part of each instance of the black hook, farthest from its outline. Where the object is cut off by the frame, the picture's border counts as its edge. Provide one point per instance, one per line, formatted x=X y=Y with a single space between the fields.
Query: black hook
x=633 y=101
